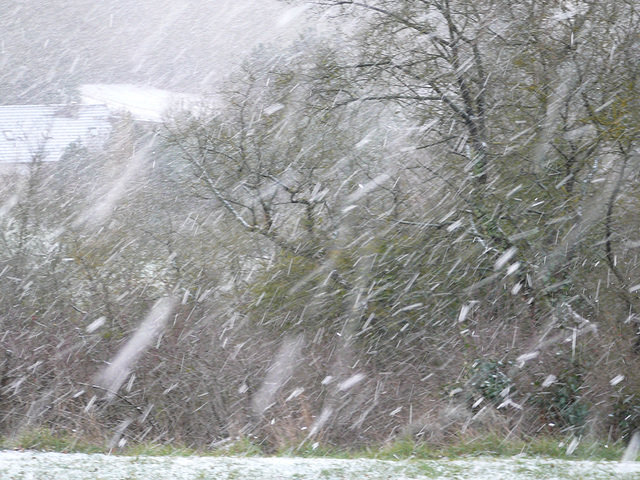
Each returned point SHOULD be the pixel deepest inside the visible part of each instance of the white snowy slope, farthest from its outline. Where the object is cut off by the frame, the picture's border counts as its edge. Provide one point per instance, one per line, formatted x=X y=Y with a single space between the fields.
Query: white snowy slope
x=39 y=465
x=143 y=103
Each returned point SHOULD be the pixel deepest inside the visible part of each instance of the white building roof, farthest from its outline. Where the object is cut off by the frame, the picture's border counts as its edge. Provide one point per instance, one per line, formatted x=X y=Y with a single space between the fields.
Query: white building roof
x=45 y=131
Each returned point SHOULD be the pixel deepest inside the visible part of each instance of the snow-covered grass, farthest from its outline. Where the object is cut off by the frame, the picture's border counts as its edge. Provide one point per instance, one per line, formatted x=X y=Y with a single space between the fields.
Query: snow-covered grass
x=16 y=465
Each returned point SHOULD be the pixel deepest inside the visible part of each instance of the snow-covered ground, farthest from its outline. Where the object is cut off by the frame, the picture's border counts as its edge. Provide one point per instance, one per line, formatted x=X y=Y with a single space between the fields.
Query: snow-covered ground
x=143 y=103
x=60 y=466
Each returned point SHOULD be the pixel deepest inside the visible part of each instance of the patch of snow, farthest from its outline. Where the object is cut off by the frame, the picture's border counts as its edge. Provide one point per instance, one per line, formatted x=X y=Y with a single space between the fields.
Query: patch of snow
x=143 y=103
x=75 y=466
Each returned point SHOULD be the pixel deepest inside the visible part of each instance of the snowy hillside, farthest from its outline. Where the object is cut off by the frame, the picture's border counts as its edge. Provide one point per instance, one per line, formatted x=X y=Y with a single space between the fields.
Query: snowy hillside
x=143 y=103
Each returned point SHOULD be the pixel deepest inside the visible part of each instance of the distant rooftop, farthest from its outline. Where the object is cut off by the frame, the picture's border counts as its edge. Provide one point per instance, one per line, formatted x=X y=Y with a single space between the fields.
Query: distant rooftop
x=46 y=131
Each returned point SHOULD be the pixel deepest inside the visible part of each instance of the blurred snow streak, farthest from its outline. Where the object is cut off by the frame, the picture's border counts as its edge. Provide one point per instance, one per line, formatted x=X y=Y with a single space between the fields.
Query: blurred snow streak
x=279 y=373
x=631 y=453
x=112 y=378
x=101 y=210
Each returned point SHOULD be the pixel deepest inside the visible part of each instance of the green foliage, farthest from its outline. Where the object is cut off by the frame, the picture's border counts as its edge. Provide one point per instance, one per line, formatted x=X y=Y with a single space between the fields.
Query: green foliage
x=498 y=446
x=493 y=445
x=240 y=447
x=50 y=440
x=488 y=378
x=286 y=295
x=563 y=404
x=626 y=414
x=567 y=401
x=313 y=449
x=158 y=450
x=405 y=448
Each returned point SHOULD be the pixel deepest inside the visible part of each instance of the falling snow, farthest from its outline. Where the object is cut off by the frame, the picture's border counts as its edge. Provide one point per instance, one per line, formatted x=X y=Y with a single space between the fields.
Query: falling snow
x=319 y=225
